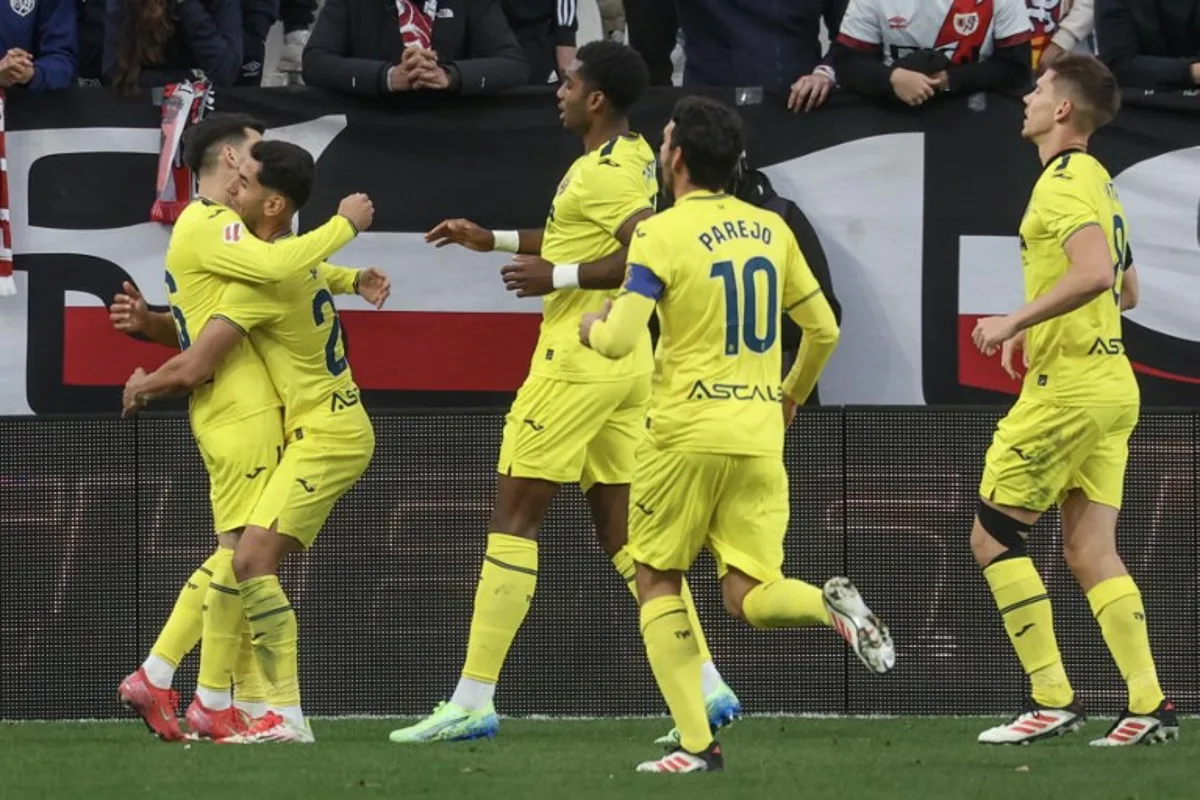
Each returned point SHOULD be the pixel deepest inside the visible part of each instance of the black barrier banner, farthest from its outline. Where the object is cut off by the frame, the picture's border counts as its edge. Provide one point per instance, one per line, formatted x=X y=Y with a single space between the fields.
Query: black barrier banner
x=916 y=211
x=104 y=520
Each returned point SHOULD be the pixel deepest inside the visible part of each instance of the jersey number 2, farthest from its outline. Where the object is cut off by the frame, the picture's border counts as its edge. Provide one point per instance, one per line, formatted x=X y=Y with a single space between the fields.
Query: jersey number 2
x=185 y=340
x=336 y=365
x=745 y=330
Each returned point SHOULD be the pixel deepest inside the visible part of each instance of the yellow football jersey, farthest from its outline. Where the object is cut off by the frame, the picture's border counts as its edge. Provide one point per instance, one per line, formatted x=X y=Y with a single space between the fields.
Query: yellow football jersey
x=723 y=273
x=294 y=326
x=209 y=247
x=601 y=191
x=1077 y=358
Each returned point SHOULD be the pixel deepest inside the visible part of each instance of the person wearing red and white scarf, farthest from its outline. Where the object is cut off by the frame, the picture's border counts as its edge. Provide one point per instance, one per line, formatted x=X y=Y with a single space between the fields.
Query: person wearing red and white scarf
x=8 y=286
x=375 y=48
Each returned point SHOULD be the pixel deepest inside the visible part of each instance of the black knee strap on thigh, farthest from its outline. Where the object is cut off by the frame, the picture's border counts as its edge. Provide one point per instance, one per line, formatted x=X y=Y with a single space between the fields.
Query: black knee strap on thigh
x=1005 y=530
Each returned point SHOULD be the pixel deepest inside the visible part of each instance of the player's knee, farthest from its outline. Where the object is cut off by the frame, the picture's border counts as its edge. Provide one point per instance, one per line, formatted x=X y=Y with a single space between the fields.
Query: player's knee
x=997 y=536
x=734 y=588
x=254 y=556
x=1082 y=552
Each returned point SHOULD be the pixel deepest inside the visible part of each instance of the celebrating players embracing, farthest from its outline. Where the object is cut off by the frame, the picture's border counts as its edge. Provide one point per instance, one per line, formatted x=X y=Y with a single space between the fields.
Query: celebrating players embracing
x=236 y=420
x=1065 y=441
x=282 y=311
x=578 y=416
x=710 y=473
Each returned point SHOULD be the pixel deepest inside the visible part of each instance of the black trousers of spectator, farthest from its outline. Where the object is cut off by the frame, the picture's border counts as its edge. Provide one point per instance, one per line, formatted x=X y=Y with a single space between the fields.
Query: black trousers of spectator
x=652 y=30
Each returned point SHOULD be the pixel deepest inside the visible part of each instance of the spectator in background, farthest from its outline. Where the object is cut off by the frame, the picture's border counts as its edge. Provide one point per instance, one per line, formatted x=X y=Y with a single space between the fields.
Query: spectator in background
x=1059 y=26
x=545 y=29
x=653 y=30
x=951 y=46
x=39 y=42
x=376 y=47
x=89 y=60
x=1150 y=45
x=158 y=42
x=612 y=19
x=257 y=18
x=752 y=43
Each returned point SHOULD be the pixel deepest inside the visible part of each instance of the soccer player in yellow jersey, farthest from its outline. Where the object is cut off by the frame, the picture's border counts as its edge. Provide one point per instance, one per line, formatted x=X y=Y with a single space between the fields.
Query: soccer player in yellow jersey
x=1065 y=441
x=710 y=472
x=578 y=416
x=293 y=325
x=238 y=427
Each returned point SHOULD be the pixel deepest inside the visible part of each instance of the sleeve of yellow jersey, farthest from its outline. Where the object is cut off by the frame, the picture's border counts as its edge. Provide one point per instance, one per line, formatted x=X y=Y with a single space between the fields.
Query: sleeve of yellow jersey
x=615 y=191
x=341 y=280
x=1066 y=202
x=646 y=280
x=805 y=303
x=246 y=306
x=225 y=247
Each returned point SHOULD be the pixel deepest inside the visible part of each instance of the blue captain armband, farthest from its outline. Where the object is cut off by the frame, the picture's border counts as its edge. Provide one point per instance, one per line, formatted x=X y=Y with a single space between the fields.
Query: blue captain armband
x=641 y=280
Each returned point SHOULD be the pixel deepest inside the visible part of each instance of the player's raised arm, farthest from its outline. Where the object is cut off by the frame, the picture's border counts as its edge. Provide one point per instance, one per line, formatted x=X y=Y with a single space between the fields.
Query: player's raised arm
x=231 y=251
x=130 y=314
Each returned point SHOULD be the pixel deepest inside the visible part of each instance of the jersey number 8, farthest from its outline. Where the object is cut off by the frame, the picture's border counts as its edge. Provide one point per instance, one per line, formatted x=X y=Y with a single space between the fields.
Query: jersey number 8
x=1121 y=244
x=335 y=364
x=185 y=340
x=745 y=330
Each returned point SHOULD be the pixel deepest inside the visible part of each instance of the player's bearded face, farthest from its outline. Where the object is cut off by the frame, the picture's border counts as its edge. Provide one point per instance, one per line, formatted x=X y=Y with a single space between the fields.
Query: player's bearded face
x=668 y=157
x=246 y=195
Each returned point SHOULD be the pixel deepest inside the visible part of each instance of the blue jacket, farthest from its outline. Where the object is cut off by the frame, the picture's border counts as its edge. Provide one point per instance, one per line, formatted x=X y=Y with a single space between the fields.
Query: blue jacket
x=208 y=36
x=47 y=31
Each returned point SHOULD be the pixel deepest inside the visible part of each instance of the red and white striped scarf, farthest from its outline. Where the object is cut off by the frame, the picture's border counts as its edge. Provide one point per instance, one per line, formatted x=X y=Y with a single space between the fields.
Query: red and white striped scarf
x=8 y=286
x=183 y=105
x=416 y=24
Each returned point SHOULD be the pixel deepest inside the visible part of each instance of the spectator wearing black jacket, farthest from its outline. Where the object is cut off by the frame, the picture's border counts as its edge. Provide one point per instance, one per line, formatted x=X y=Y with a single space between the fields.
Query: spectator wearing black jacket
x=1150 y=45
x=545 y=29
x=752 y=43
x=257 y=18
x=366 y=47
x=653 y=31
x=157 y=42
x=90 y=55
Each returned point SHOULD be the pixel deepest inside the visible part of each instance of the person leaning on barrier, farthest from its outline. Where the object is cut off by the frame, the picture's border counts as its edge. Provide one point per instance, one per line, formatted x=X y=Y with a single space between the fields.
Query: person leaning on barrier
x=890 y=48
x=258 y=16
x=459 y=46
x=159 y=42
x=546 y=30
x=1150 y=45
x=38 y=40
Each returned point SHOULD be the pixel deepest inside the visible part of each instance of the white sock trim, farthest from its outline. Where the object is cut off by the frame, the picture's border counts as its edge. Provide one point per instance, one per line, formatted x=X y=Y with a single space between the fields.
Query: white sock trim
x=472 y=694
x=710 y=679
x=214 y=699
x=158 y=671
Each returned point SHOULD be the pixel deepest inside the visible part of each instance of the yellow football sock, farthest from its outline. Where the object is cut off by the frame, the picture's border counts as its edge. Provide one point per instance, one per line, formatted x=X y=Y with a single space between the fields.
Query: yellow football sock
x=502 y=598
x=182 y=629
x=1025 y=606
x=675 y=660
x=249 y=688
x=223 y=623
x=275 y=637
x=1117 y=605
x=785 y=603
x=626 y=568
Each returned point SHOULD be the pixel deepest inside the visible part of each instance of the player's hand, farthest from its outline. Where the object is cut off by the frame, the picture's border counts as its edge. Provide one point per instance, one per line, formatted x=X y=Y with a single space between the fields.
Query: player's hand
x=809 y=92
x=529 y=276
x=462 y=232
x=359 y=209
x=589 y=320
x=991 y=332
x=133 y=400
x=1007 y=350
x=789 y=412
x=912 y=87
x=129 y=312
x=374 y=286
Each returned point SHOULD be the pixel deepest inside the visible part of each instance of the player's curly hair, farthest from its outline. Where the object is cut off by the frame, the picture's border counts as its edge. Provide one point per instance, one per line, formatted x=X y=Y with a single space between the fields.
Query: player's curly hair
x=285 y=168
x=202 y=143
x=615 y=70
x=709 y=133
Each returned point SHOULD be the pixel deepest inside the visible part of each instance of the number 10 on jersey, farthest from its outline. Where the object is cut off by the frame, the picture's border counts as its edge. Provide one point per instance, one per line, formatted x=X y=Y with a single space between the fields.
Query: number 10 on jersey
x=742 y=315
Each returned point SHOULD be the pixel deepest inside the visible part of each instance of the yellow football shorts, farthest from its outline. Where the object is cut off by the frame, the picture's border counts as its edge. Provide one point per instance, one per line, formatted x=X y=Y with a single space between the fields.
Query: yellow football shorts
x=737 y=506
x=567 y=432
x=240 y=458
x=1041 y=452
x=324 y=457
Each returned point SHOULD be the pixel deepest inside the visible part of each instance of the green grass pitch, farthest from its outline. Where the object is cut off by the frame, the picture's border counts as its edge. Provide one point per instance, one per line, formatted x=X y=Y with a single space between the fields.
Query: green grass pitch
x=766 y=758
